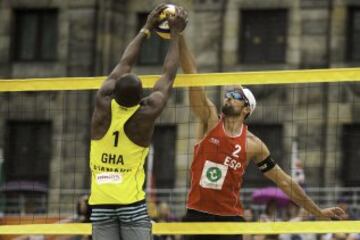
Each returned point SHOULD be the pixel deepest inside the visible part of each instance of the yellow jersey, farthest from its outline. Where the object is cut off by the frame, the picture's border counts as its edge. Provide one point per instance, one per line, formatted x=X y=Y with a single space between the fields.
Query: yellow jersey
x=116 y=163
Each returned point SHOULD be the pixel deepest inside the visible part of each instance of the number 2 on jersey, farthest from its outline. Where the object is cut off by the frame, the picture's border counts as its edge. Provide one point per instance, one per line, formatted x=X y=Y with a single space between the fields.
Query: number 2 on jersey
x=237 y=151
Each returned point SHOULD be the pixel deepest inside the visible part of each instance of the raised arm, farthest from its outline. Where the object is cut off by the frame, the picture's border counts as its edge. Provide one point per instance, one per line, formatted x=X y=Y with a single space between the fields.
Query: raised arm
x=162 y=88
x=288 y=185
x=200 y=104
x=298 y=195
x=131 y=52
x=101 y=117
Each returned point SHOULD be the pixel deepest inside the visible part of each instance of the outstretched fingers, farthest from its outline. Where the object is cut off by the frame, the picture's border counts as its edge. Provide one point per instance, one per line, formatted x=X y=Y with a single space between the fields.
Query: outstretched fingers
x=159 y=8
x=179 y=20
x=339 y=213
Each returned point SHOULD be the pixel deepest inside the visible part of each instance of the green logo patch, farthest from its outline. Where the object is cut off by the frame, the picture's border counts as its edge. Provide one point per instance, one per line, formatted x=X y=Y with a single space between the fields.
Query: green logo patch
x=213 y=174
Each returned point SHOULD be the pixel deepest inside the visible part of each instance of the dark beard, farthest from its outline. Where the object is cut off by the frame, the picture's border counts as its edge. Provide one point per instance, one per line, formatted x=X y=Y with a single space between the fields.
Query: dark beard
x=228 y=110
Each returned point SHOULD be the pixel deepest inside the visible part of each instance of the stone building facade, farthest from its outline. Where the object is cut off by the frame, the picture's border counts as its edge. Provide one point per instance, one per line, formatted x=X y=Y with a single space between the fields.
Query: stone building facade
x=90 y=36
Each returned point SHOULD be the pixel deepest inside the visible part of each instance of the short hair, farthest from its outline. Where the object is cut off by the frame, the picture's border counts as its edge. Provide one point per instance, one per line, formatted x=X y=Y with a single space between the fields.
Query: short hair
x=128 y=90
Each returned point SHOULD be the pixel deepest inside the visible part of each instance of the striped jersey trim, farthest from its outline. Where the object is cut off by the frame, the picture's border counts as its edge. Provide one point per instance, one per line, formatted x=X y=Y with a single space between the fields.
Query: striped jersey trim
x=124 y=214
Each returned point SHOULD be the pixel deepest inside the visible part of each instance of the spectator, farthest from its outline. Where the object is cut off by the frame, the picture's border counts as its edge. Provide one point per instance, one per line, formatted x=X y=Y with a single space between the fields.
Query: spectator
x=297 y=214
x=341 y=236
x=152 y=208
x=344 y=203
x=83 y=210
x=31 y=237
x=165 y=215
x=271 y=212
x=264 y=218
x=249 y=217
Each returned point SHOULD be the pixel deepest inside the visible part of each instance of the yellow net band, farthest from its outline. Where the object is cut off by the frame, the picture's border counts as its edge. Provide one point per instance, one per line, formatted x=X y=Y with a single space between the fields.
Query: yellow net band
x=187 y=80
x=195 y=228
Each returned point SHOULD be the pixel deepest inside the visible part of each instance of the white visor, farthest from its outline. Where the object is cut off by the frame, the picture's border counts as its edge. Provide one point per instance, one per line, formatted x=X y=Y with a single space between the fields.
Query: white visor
x=251 y=99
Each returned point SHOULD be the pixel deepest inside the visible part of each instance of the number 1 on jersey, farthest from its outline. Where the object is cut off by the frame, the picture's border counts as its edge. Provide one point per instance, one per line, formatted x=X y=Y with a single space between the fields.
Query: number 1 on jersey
x=116 y=134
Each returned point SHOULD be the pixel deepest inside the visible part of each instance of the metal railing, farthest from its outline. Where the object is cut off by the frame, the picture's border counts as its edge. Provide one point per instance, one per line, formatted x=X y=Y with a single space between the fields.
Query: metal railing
x=65 y=204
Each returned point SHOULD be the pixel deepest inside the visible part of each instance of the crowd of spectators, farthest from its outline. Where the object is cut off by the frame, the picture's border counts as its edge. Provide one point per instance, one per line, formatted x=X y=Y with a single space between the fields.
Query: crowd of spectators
x=270 y=213
x=161 y=212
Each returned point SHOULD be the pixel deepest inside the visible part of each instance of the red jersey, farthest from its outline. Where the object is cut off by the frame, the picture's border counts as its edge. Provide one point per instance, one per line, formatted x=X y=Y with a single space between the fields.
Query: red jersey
x=217 y=173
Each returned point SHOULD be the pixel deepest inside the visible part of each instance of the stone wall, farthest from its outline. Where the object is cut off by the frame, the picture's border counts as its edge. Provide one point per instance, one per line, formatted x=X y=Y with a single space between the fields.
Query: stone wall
x=93 y=34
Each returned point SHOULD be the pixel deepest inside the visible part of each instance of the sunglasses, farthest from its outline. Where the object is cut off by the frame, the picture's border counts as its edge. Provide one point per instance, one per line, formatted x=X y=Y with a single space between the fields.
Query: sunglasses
x=237 y=96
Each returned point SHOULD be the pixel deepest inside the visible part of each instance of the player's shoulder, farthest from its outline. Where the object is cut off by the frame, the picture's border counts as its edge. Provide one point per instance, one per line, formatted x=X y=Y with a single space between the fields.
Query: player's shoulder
x=151 y=105
x=253 y=142
x=256 y=146
x=154 y=99
x=252 y=138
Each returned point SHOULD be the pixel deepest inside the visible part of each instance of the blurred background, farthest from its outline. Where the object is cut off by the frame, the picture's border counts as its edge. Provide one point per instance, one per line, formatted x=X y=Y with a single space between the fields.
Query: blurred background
x=312 y=130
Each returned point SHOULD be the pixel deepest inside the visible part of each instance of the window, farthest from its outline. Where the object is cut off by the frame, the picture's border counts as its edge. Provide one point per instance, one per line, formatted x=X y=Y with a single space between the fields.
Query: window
x=164 y=142
x=263 y=36
x=270 y=135
x=35 y=35
x=28 y=146
x=351 y=155
x=353 y=47
x=154 y=49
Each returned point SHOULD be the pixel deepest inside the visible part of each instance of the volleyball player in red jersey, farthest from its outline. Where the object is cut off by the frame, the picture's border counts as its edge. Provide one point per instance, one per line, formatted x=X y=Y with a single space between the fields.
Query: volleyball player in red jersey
x=224 y=150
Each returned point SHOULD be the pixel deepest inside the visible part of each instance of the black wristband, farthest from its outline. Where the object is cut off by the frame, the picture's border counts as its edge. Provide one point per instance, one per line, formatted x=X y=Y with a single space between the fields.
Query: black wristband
x=266 y=164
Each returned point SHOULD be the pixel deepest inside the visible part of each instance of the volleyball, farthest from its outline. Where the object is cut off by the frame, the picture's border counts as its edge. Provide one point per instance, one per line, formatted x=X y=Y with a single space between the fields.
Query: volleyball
x=163 y=29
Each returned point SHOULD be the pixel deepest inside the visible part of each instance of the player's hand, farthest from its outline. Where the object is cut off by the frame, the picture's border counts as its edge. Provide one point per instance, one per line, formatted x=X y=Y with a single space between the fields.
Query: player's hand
x=153 y=17
x=178 y=21
x=333 y=213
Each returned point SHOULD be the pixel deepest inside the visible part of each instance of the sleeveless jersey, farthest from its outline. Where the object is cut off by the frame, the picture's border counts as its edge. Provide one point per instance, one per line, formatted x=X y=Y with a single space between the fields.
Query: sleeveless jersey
x=116 y=163
x=217 y=173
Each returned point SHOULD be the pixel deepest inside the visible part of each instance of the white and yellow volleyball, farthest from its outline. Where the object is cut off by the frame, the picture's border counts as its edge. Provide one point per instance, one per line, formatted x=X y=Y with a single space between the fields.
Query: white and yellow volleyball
x=163 y=29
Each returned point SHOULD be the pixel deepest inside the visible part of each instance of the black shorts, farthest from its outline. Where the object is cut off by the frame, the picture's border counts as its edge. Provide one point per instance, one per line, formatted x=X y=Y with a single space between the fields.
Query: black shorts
x=196 y=216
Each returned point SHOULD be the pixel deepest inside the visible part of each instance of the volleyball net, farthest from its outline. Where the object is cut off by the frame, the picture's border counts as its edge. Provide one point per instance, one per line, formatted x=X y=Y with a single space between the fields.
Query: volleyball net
x=308 y=118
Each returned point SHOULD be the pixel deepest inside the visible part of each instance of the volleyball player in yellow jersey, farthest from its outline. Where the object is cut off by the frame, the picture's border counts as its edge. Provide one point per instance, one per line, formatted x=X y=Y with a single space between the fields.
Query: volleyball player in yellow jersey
x=121 y=130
